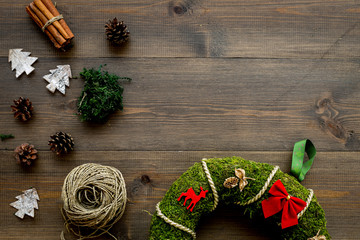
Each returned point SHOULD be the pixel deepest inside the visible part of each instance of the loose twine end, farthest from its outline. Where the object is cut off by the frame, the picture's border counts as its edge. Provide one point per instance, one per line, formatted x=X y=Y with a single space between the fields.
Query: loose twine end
x=148 y=212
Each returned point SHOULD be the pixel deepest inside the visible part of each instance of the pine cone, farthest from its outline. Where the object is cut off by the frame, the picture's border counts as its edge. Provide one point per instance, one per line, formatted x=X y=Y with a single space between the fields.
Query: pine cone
x=25 y=154
x=61 y=143
x=23 y=109
x=116 y=31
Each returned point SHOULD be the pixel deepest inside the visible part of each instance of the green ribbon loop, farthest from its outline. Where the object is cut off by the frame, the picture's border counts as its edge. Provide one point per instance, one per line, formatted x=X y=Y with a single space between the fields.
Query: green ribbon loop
x=299 y=168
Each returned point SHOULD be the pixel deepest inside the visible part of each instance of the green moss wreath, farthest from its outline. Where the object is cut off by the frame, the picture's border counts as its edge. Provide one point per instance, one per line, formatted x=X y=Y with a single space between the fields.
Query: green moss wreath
x=172 y=212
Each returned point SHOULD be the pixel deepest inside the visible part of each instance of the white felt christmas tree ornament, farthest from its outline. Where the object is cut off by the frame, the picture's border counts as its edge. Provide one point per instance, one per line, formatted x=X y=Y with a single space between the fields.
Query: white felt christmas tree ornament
x=21 y=61
x=26 y=203
x=58 y=78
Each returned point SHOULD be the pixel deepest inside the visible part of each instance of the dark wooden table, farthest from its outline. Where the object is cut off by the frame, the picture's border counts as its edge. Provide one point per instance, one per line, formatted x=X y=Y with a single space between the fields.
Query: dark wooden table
x=210 y=79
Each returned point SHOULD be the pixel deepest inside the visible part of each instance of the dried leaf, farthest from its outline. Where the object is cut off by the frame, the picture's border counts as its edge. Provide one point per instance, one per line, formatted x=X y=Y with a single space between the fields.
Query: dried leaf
x=26 y=203
x=240 y=173
x=231 y=182
x=58 y=78
x=21 y=61
x=242 y=184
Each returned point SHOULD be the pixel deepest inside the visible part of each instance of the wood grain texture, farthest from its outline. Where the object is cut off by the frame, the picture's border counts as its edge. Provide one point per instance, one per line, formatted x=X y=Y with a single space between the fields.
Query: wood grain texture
x=337 y=189
x=197 y=104
x=197 y=28
x=210 y=79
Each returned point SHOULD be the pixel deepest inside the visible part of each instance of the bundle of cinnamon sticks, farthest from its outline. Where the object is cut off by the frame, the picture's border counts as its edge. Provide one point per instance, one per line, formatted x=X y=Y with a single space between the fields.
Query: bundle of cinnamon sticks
x=47 y=17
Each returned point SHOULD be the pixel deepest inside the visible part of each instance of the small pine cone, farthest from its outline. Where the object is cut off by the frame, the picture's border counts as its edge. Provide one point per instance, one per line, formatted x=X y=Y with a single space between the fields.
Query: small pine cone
x=61 y=143
x=23 y=109
x=25 y=154
x=116 y=31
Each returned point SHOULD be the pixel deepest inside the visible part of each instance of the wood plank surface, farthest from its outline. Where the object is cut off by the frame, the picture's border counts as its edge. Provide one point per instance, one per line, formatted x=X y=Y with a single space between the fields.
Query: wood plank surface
x=197 y=28
x=210 y=79
x=198 y=104
x=340 y=201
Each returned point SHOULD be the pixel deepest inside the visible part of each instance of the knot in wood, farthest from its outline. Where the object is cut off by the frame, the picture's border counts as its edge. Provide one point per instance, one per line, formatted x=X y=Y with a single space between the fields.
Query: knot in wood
x=145 y=179
x=179 y=9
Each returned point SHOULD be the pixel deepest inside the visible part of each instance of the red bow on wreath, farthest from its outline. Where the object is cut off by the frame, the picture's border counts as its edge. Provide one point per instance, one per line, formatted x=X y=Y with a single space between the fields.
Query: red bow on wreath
x=281 y=200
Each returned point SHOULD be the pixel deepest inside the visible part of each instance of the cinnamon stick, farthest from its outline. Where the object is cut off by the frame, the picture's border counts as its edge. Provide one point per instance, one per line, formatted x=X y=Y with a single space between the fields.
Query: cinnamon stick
x=40 y=24
x=50 y=6
x=51 y=28
x=49 y=16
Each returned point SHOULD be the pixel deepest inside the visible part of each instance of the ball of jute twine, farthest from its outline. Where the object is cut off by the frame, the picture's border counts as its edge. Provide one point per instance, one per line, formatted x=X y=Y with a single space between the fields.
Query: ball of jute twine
x=94 y=199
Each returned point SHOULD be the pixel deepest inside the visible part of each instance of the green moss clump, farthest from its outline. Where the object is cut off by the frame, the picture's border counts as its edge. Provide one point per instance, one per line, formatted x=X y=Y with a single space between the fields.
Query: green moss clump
x=220 y=169
x=6 y=136
x=102 y=95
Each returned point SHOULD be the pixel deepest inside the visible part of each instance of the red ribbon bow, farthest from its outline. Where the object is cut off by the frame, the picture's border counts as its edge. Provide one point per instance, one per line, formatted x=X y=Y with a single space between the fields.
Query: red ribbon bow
x=281 y=200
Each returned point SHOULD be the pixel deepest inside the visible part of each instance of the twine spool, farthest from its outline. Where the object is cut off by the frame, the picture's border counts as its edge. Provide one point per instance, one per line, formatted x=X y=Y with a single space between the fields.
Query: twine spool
x=94 y=199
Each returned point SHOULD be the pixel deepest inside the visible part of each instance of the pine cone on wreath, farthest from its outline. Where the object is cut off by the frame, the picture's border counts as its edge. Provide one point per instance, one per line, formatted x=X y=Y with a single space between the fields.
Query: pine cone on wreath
x=61 y=143
x=25 y=154
x=23 y=109
x=116 y=31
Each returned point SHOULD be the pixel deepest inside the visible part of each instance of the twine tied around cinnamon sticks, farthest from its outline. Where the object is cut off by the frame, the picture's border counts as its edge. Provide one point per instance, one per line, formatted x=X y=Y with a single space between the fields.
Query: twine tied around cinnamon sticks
x=48 y=23
x=48 y=18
